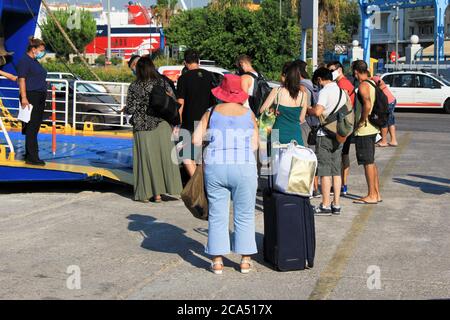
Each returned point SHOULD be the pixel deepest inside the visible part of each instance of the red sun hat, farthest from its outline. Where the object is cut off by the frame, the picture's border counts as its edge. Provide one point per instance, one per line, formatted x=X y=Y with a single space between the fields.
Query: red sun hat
x=230 y=90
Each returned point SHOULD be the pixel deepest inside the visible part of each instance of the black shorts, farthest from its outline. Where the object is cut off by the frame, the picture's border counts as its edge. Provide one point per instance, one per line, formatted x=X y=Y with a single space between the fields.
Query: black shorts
x=347 y=143
x=189 y=150
x=365 y=149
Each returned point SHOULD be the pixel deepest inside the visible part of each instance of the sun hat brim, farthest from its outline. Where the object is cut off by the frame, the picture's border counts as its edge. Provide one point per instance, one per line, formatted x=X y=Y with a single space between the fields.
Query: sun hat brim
x=225 y=96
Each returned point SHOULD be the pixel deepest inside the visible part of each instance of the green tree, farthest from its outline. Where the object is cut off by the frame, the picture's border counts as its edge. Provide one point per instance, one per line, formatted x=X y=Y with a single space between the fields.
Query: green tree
x=342 y=17
x=80 y=27
x=221 y=34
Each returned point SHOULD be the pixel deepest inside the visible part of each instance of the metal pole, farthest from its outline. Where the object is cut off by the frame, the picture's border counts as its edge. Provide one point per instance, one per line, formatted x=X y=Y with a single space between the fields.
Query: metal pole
x=53 y=120
x=280 y=8
x=437 y=55
x=304 y=44
x=315 y=35
x=397 y=19
x=108 y=14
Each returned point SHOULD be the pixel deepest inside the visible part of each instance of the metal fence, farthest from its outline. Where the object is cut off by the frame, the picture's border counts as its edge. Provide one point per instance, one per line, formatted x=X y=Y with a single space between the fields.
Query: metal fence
x=10 y=99
x=77 y=102
x=101 y=103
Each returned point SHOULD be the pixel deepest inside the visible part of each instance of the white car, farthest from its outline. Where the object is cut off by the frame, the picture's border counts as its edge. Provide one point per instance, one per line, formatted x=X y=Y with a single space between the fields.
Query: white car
x=71 y=77
x=174 y=72
x=415 y=89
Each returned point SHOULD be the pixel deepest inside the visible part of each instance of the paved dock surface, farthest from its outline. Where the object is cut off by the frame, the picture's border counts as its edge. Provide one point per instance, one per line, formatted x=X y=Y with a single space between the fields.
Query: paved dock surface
x=398 y=249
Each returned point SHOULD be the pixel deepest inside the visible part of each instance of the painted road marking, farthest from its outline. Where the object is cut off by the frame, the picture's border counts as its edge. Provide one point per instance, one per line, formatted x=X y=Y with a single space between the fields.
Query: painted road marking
x=332 y=274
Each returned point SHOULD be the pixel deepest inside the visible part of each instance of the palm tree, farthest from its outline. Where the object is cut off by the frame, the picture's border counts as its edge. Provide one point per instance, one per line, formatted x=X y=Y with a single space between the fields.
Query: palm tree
x=222 y=4
x=329 y=14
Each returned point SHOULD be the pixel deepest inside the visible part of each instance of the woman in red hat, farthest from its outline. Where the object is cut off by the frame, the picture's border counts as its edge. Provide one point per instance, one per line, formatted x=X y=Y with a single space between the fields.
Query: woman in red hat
x=230 y=169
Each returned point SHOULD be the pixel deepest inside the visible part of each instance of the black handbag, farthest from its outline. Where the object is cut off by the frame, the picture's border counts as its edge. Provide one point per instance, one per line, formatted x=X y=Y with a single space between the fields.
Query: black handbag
x=312 y=136
x=164 y=105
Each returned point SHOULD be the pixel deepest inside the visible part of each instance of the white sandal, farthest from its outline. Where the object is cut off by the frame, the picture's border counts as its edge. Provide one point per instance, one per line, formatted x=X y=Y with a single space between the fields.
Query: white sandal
x=246 y=261
x=216 y=271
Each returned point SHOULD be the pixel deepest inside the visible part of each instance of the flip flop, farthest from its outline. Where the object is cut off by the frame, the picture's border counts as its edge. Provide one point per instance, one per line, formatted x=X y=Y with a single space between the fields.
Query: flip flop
x=379 y=201
x=361 y=201
x=382 y=145
x=392 y=145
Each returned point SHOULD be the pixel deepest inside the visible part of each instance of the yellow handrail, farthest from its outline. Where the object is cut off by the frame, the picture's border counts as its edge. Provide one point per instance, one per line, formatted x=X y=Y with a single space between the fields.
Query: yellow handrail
x=8 y=116
x=8 y=141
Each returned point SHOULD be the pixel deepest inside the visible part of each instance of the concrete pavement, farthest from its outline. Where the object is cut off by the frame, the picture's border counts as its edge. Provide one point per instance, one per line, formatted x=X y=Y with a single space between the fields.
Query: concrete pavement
x=129 y=250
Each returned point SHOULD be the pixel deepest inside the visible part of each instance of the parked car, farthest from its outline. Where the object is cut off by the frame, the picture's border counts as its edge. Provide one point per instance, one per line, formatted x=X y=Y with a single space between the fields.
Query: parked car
x=174 y=72
x=100 y=107
x=416 y=89
x=72 y=77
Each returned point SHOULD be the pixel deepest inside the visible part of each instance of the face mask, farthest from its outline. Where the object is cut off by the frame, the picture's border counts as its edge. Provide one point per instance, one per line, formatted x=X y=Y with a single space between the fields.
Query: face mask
x=134 y=71
x=336 y=74
x=40 y=55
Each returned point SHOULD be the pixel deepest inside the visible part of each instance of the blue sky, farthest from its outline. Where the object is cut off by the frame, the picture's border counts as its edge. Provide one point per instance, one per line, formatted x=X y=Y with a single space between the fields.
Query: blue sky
x=119 y=4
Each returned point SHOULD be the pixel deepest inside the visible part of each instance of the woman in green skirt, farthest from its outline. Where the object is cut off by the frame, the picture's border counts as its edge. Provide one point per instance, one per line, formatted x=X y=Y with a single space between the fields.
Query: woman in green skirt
x=154 y=171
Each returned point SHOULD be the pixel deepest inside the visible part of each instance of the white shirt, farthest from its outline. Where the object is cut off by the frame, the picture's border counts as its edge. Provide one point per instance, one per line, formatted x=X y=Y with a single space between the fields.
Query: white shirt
x=250 y=90
x=328 y=98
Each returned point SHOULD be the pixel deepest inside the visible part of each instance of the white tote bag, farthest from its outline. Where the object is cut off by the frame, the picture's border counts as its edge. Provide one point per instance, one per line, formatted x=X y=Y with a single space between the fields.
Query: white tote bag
x=294 y=168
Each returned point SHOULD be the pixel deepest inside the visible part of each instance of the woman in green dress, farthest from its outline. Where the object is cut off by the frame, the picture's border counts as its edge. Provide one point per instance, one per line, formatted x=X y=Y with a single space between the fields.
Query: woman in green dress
x=290 y=102
x=154 y=171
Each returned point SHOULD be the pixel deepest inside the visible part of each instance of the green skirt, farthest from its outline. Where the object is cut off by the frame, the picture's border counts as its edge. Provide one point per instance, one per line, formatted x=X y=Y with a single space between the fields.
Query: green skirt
x=154 y=171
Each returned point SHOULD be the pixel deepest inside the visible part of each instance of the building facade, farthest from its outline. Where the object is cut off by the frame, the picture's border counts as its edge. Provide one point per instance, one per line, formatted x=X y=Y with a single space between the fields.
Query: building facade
x=418 y=21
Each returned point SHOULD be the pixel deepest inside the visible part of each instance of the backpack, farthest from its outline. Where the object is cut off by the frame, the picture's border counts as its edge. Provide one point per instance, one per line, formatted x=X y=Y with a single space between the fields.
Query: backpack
x=164 y=105
x=380 y=111
x=340 y=122
x=261 y=90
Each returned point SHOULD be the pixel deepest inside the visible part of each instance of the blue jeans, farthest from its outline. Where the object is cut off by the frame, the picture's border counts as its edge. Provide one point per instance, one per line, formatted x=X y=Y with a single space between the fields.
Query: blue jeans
x=240 y=181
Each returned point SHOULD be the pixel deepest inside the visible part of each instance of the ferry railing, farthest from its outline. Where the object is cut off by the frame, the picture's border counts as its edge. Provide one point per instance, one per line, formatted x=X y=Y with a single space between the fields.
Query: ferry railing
x=102 y=108
x=8 y=142
x=10 y=98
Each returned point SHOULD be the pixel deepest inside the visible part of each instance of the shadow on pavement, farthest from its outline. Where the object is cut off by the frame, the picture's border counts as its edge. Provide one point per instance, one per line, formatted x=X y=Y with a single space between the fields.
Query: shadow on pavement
x=435 y=179
x=123 y=190
x=425 y=187
x=164 y=237
x=259 y=257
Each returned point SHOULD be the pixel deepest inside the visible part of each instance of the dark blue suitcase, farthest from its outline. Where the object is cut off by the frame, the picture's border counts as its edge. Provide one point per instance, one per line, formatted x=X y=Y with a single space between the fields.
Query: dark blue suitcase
x=289 y=231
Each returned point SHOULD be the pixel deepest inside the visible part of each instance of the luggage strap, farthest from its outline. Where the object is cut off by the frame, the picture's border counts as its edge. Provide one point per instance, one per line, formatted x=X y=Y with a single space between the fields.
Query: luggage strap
x=327 y=121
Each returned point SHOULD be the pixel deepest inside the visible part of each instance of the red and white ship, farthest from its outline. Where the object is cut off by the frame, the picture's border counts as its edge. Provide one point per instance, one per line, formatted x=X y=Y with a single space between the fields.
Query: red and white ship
x=132 y=32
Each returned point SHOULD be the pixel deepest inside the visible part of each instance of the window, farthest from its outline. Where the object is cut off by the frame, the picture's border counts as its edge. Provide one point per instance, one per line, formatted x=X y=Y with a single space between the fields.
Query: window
x=388 y=79
x=426 y=82
x=68 y=77
x=86 y=88
x=426 y=29
x=403 y=81
x=411 y=30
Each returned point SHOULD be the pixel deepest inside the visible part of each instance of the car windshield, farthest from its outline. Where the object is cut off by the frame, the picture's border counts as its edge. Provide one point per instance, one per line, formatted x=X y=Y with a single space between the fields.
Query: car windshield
x=445 y=81
x=86 y=88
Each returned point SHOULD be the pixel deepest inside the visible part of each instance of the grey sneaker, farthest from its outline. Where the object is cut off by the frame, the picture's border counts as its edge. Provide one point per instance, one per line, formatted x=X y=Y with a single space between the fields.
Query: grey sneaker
x=322 y=211
x=316 y=194
x=335 y=210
